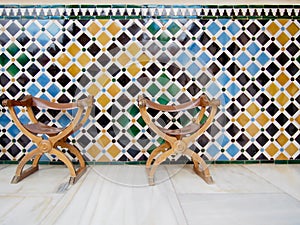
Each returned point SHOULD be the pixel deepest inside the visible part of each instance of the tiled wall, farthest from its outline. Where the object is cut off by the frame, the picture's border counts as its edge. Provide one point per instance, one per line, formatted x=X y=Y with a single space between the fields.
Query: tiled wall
x=246 y=56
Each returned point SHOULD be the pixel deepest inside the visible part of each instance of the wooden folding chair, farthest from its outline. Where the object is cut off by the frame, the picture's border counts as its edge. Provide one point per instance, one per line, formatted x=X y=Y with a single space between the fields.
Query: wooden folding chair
x=48 y=138
x=177 y=140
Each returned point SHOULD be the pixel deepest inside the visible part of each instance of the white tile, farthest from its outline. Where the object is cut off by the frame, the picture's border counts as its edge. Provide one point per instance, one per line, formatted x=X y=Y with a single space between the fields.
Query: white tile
x=284 y=177
x=227 y=179
x=236 y=209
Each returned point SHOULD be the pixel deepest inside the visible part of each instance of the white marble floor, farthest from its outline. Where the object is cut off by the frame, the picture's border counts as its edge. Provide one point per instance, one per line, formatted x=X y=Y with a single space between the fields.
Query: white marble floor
x=119 y=195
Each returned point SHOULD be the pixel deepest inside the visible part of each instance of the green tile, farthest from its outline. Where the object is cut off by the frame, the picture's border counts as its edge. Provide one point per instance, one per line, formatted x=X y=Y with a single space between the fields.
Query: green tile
x=3 y=59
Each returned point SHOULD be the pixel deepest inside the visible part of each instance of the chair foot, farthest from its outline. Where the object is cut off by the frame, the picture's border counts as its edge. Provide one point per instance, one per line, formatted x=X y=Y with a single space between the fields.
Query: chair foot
x=151 y=181
x=24 y=174
x=204 y=174
x=79 y=174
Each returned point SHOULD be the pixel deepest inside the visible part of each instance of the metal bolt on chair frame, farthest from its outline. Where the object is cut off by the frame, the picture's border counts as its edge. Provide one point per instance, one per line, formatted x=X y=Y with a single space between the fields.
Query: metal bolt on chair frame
x=177 y=140
x=48 y=138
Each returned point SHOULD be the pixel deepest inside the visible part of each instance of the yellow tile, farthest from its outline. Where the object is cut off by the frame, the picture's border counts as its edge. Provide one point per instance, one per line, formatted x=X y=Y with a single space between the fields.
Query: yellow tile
x=262 y=119
x=93 y=28
x=282 y=140
x=282 y=99
x=283 y=38
x=272 y=149
x=84 y=59
x=252 y=130
x=93 y=90
x=113 y=90
x=292 y=89
x=243 y=119
x=144 y=59
x=133 y=49
x=252 y=109
x=272 y=89
x=283 y=21
x=93 y=151
x=104 y=158
x=103 y=38
x=282 y=79
x=292 y=29
x=113 y=151
x=113 y=28
x=103 y=80
x=281 y=156
x=298 y=119
x=273 y=28
x=73 y=49
x=103 y=22
x=74 y=70
x=104 y=141
x=291 y=149
x=133 y=69
x=103 y=100
x=123 y=59
x=63 y=59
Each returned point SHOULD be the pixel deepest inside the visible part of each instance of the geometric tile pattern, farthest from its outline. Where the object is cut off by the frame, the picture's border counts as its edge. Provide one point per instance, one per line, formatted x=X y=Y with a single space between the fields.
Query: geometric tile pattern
x=250 y=64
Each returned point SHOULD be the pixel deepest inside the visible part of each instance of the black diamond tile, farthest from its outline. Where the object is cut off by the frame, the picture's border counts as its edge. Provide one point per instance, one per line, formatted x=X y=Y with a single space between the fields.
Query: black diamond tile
x=233 y=48
x=213 y=69
x=153 y=48
x=33 y=69
x=243 y=79
x=272 y=129
x=53 y=49
x=253 y=28
x=263 y=79
x=263 y=38
x=83 y=39
x=63 y=99
x=134 y=29
x=292 y=109
x=213 y=130
x=233 y=109
x=163 y=59
x=103 y=60
x=183 y=79
x=193 y=28
x=84 y=80
x=23 y=79
x=43 y=59
x=93 y=131
x=33 y=49
x=153 y=69
x=13 y=90
x=282 y=59
x=292 y=49
x=242 y=157
x=113 y=130
x=223 y=120
x=63 y=80
x=282 y=119
x=233 y=130
x=223 y=59
x=273 y=69
x=233 y=69
x=203 y=140
x=291 y=129
x=63 y=39
x=242 y=139
x=272 y=49
x=243 y=39
x=94 y=49
x=113 y=110
x=3 y=39
x=4 y=80
x=173 y=69
x=4 y=140
x=262 y=139
x=103 y=120
x=73 y=29
x=123 y=100
x=213 y=48
x=143 y=38
x=203 y=79
x=262 y=99
x=73 y=90
x=292 y=69
x=53 y=70
x=133 y=90
x=23 y=39
x=272 y=109
x=83 y=141
x=183 y=38
x=113 y=49
x=123 y=80
x=143 y=140
x=143 y=79
x=193 y=89
x=124 y=141
x=14 y=150
x=123 y=39
x=94 y=69
x=252 y=150
x=243 y=99
x=203 y=38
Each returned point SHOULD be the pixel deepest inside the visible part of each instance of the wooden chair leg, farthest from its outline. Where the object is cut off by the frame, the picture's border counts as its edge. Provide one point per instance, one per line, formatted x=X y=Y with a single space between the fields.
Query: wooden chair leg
x=155 y=152
x=203 y=172
x=20 y=174
x=157 y=162
x=82 y=165
x=74 y=176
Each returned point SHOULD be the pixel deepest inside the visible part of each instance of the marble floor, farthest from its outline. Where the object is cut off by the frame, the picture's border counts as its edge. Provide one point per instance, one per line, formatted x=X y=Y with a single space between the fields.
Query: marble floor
x=257 y=194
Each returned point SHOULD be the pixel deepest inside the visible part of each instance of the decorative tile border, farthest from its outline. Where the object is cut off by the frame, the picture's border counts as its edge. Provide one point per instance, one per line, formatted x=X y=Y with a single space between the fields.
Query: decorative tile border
x=148 y=11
